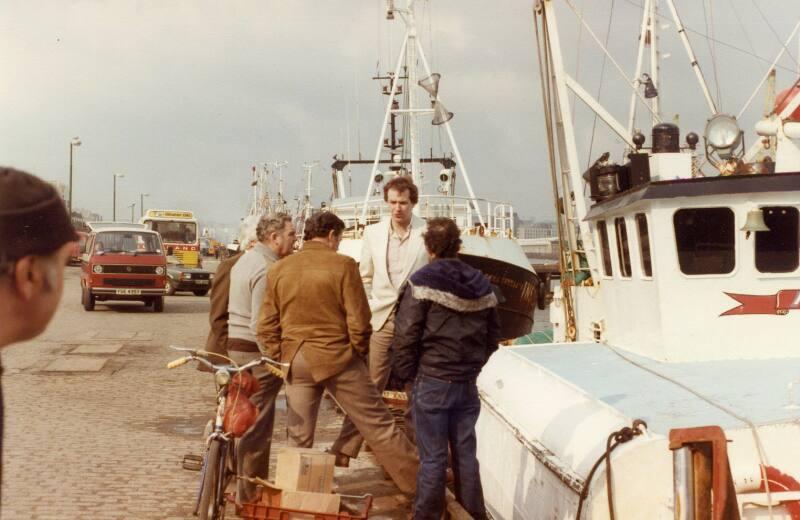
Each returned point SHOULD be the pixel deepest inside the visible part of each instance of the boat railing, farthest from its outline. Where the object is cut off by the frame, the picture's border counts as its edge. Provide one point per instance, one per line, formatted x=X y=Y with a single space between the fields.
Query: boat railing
x=498 y=216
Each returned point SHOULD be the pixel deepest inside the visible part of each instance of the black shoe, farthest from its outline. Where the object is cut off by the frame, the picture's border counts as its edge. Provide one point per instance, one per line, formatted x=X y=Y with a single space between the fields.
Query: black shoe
x=342 y=460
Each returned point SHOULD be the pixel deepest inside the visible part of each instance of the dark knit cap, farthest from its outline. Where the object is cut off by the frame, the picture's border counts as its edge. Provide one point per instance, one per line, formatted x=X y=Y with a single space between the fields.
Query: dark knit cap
x=33 y=218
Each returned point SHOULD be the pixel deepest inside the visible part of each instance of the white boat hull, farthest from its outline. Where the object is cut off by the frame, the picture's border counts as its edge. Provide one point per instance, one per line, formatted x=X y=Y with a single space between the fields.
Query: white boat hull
x=543 y=425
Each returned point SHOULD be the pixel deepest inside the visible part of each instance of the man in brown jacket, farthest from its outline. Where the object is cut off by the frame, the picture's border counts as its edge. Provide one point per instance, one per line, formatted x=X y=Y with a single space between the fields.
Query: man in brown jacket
x=316 y=317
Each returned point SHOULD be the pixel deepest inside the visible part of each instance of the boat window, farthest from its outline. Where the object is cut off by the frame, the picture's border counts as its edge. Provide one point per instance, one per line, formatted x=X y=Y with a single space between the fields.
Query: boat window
x=604 y=246
x=777 y=249
x=623 y=252
x=706 y=240
x=644 y=244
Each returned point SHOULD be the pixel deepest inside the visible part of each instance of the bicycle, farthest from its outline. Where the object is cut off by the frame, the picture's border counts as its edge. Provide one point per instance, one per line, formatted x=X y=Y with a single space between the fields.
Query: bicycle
x=234 y=416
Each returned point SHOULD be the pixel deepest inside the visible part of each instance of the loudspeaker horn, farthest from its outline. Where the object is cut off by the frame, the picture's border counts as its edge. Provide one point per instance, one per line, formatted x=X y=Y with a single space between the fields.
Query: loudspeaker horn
x=440 y=114
x=431 y=84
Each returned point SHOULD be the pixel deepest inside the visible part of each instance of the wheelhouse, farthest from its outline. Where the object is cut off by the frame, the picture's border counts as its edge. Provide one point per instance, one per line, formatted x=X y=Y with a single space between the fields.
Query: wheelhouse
x=722 y=277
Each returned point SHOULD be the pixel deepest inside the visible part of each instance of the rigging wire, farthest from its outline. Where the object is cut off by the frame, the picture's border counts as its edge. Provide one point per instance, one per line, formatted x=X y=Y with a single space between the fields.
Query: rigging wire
x=762 y=456
x=708 y=18
x=744 y=32
x=600 y=86
x=719 y=42
x=578 y=58
x=774 y=32
x=630 y=82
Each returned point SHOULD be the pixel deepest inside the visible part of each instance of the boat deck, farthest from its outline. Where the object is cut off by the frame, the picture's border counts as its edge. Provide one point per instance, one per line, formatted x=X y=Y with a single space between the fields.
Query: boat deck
x=756 y=390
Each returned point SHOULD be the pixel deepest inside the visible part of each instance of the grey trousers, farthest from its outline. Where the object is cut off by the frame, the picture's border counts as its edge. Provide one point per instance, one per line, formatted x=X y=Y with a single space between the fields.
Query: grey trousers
x=252 y=448
x=361 y=401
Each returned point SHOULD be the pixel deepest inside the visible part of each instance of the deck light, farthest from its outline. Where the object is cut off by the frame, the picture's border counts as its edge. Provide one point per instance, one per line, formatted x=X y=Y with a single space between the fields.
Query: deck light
x=724 y=136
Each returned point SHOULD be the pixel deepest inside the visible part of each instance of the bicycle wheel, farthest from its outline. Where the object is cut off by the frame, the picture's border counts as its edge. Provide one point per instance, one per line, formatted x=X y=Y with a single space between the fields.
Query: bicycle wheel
x=210 y=502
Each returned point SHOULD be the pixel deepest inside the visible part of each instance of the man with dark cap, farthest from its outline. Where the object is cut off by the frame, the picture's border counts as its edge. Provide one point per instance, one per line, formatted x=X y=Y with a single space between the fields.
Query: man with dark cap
x=36 y=237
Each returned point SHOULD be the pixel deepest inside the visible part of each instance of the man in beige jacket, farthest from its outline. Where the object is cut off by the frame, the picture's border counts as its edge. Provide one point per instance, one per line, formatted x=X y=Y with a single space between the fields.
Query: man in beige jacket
x=316 y=317
x=392 y=250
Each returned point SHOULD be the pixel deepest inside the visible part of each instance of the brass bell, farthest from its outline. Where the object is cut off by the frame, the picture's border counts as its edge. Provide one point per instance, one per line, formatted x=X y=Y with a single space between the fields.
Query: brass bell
x=754 y=222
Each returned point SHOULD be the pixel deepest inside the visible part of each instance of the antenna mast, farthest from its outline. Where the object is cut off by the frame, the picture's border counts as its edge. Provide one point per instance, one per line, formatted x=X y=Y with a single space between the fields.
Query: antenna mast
x=308 y=167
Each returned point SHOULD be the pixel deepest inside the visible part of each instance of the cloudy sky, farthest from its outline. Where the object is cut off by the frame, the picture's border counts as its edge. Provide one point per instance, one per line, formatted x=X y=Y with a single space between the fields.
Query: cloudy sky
x=184 y=97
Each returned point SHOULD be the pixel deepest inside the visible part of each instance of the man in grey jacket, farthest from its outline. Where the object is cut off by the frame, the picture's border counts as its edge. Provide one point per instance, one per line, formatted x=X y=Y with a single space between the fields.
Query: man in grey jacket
x=275 y=240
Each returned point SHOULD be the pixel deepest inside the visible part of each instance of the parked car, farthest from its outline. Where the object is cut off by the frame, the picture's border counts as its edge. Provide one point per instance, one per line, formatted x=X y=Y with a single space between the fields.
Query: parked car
x=185 y=278
x=77 y=249
x=123 y=263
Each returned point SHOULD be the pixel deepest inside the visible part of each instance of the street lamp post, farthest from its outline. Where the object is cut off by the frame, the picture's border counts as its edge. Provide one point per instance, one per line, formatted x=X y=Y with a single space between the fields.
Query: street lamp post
x=114 y=210
x=132 y=206
x=141 y=203
x=76 y=141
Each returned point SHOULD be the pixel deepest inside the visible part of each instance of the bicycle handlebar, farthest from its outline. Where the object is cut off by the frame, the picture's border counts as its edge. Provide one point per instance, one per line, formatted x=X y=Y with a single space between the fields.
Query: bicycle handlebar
x=178 y=362
x=199 y=355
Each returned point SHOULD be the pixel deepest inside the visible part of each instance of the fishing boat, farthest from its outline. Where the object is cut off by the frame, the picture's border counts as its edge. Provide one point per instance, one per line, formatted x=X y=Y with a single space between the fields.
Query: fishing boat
x=671 y=390
x=488 y=241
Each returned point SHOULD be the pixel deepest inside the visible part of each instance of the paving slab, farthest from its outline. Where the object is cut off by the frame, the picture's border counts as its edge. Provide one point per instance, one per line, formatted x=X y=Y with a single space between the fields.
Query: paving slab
x=113 y=334
x=76 y=364
x=97 y=349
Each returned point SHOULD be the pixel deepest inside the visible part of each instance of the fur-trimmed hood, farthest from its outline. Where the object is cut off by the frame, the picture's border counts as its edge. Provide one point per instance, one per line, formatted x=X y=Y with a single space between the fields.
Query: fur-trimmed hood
x=454 y=284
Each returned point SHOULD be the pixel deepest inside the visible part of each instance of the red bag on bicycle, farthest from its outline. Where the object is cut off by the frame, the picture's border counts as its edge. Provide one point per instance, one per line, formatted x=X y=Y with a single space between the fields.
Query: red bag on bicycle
x=246 y=383
x=240 y=412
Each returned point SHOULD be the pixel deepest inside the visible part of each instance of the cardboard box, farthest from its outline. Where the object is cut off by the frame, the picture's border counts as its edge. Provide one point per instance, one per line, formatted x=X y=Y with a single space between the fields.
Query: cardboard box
x=301 y=469
x=274 y=497
x=311 y=502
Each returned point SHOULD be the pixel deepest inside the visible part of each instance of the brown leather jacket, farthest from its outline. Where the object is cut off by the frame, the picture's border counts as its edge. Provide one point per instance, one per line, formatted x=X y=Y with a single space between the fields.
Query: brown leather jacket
x=218 y=314
x=315 y=299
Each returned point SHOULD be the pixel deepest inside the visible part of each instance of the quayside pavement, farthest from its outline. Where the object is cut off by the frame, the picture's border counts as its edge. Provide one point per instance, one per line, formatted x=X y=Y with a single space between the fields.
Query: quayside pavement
x=96 y=427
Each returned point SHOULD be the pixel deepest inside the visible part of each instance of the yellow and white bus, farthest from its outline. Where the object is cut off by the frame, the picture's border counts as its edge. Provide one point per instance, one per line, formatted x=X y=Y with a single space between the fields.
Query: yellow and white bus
x=178 y=230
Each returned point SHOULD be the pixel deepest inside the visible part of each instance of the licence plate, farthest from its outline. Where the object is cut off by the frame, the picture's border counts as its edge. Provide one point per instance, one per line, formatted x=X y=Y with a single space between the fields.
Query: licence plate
x=129 y=291
x=201 y=282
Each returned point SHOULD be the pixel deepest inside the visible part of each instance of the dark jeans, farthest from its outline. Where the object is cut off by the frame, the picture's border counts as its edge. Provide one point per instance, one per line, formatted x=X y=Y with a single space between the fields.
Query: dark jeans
x=445 y=414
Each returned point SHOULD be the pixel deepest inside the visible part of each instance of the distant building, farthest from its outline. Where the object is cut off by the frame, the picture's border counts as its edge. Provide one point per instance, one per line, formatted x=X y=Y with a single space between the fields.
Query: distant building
x=532 y=229
x=89 y=215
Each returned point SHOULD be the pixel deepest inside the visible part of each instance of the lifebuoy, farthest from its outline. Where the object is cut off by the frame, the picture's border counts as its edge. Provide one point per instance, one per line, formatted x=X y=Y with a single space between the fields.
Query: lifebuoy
x=779 y=481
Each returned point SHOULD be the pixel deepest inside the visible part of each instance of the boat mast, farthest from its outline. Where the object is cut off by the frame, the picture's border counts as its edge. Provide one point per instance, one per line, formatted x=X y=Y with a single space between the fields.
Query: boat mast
x=655 y=102
x=646 y=20
x=574 y=204
x=254 y=185
x=648 y=36
x=411 y=93
x=280 y=205
x=387 y=114
x=411 y=51
x=307 y=208
x=692 y=58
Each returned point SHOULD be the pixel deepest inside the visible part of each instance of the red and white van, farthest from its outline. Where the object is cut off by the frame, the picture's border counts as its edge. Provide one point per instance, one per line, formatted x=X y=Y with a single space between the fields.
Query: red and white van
x=123 y=263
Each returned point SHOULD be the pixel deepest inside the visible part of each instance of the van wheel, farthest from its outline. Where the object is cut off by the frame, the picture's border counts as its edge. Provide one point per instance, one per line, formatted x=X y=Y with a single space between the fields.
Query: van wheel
x=158 y=304
x=169 y=287
x=201 y=292
x=88 y=300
